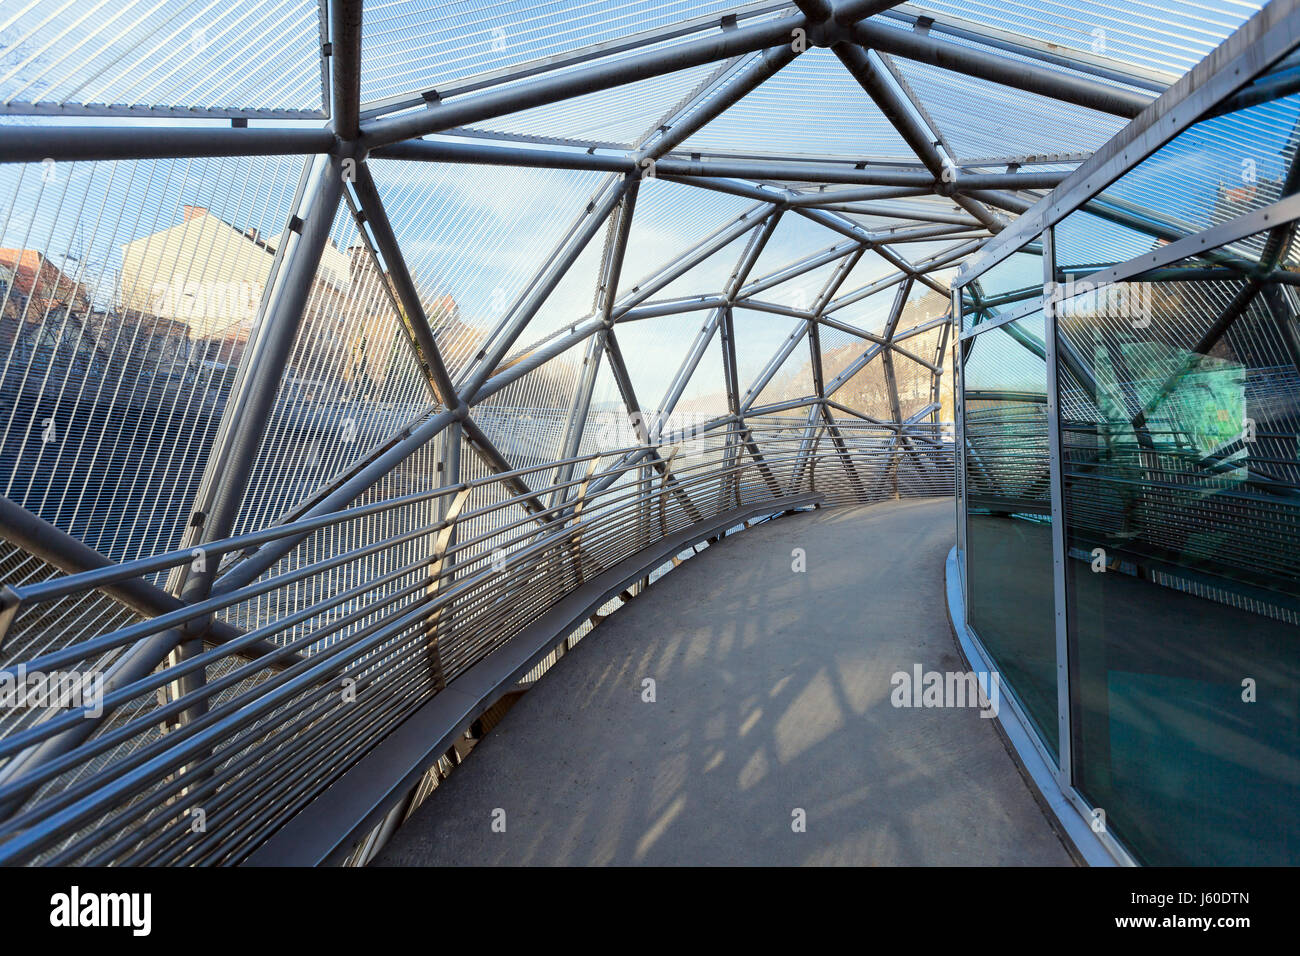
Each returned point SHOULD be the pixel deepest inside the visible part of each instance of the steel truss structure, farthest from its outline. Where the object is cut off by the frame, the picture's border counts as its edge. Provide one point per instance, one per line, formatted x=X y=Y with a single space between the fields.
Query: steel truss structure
x=543 y=305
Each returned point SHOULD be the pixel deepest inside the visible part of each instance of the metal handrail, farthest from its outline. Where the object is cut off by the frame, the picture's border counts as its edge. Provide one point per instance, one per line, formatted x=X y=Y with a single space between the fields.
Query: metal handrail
x=449 y=596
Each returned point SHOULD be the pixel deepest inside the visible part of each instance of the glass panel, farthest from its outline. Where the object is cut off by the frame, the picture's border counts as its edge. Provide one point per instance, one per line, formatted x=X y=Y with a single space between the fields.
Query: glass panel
x=1016 y=279
x=1236 y=159
x=1008 y=513
x=1180 y=441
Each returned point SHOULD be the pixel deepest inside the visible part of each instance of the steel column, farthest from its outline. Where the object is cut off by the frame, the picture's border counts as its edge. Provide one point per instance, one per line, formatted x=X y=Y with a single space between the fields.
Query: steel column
x=1057 y=482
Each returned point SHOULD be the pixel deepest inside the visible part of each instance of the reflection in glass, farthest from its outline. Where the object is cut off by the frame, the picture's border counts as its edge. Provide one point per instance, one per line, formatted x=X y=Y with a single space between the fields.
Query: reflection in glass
x=1008 y=507
x=1180 y=406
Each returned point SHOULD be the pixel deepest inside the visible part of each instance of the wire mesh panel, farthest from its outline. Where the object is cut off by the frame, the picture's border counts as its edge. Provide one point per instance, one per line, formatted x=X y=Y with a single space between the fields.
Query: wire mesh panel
x=474 y=243
x=197 y=58
x=131 y=294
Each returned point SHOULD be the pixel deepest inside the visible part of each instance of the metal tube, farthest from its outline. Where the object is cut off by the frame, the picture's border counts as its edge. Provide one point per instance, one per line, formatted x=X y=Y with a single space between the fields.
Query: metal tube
x=466 y=150
x=536 y=358
x=415 y=319
x=70 y=555
x=345 y=60
x=767 y=65
x=83 y=143
x=859 y=195
x=773 y=365
x=799 y=172
x=476 y=107
x=794 y=270
x=912 y=45
x=542 y=286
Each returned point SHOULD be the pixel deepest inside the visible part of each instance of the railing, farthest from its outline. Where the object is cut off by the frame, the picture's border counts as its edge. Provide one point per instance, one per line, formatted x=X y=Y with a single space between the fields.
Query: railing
x=327 y=687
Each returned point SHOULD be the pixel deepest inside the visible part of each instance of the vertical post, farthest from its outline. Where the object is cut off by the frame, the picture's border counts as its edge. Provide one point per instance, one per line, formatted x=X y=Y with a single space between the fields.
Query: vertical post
x=578 y=411
x=1063 y=773
x=345 y=58
x=807 y=445
x=891 y=380
x=575 y=539
x=936 y=388
x=441 y=567
x=842 y=449
x=737 y=443
x=959 y=439
x=611 y=269
x=730 y=485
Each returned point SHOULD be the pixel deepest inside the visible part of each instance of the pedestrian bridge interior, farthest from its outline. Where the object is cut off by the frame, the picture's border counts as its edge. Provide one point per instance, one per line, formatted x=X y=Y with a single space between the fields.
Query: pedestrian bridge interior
x=440 y=433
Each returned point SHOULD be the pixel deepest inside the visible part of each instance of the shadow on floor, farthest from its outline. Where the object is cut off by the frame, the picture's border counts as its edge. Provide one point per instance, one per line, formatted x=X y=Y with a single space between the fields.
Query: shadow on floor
x=772 y=696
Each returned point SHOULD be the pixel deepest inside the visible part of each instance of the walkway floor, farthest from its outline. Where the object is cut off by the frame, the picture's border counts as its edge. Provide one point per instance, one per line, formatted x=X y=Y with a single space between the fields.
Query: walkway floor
x=772 y=695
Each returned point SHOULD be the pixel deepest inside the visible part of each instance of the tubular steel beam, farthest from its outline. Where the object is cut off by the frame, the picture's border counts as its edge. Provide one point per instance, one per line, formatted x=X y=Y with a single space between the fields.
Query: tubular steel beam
x=864 y=194
x=1021 y=75
x=612 y=268
x=493 y=154
x=758 y=305
x=485 y=448
x=587 y=225
x=932 y=214
x=687 y=369
x=758 y=241
x=729 y=372
x=413 y=315
x=603 y=74
x=886 y=97
x=796 y=269
x=764 y=67
x=636 y=414
x=72 y=556
x=773 y=366
x=537 y=357
x=581 y=407
x=852 y=369
x=638 y=419
x=847 y=173
x=345 y=60
x=966 y=182
x=732 y=187
x=257 y=389
x=1002 y=200
x=688 y=260
x=589 y=78
x=672 y=307
x=85 y=143
x=513 y=72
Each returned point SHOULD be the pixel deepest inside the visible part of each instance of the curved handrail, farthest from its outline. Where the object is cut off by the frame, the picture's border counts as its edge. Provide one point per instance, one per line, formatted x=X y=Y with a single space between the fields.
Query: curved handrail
x=384 y=612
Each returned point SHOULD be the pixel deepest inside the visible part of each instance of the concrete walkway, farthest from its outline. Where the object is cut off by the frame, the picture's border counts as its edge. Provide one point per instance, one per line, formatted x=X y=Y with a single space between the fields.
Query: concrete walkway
x=772 y=696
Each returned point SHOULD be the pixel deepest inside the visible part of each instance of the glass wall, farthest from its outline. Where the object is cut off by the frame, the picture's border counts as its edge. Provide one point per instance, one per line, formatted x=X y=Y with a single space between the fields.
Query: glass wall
x=1176 y=478
x=1181 y=477
x=1008 y=512
x=1016 y=279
